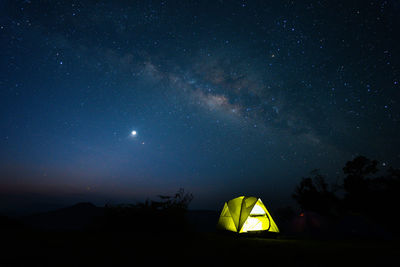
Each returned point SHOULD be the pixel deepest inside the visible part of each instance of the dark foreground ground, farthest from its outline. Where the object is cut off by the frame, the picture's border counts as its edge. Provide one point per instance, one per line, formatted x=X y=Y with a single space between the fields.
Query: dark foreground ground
x=62 y=238
x=76 y=248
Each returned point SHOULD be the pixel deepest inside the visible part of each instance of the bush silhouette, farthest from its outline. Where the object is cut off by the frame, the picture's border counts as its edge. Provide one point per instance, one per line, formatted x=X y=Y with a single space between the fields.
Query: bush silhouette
x=165 y=215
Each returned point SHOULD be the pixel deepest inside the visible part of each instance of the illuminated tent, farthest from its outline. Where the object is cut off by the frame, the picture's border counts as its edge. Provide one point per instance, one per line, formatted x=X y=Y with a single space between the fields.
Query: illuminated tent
x=246 y=214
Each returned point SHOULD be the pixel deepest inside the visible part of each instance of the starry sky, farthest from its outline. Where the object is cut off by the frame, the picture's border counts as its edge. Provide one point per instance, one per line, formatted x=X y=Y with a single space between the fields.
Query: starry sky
x=227 y=98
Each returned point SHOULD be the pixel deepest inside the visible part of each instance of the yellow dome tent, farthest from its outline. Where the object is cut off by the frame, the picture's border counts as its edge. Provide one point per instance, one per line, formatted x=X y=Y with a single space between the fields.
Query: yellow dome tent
x=246 y=214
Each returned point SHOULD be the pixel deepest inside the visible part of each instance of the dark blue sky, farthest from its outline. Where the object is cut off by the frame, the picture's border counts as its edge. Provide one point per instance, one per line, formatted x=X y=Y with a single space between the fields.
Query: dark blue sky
x=227 y=97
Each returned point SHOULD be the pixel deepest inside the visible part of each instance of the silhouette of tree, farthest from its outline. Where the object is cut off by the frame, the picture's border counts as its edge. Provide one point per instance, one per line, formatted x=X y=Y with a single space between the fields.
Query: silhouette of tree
x=313 y=194
x=366 y=193
x=357 y=182
x=370 y=195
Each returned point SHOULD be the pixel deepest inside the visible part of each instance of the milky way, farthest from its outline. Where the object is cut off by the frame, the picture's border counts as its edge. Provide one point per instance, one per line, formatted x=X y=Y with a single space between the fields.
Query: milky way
x=226 y=97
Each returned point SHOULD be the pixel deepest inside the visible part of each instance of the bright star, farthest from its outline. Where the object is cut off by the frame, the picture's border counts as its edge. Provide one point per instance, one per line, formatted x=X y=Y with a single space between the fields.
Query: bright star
x=133 y=133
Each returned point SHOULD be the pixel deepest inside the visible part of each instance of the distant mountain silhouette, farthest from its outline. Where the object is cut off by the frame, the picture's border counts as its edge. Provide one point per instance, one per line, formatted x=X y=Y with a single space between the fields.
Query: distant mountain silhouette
x=76 y=217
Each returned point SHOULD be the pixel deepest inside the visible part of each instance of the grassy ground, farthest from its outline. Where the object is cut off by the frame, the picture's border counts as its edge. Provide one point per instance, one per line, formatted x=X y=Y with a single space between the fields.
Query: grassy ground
x=27 y=248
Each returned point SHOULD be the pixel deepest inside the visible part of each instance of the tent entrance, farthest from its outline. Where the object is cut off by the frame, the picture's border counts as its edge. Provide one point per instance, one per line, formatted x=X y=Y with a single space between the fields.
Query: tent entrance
x=257 y=220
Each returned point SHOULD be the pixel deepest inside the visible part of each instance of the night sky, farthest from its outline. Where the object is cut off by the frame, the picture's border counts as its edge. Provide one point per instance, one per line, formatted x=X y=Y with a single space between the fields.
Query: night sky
x=227 y=98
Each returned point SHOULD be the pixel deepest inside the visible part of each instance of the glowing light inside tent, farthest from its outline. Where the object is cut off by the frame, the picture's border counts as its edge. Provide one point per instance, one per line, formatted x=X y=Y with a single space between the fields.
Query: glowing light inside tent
x=257 y=210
